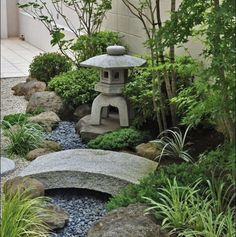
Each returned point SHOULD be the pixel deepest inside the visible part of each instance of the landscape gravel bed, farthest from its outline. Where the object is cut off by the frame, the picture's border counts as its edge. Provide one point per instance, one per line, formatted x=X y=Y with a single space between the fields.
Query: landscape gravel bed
x=65 y=134
x=11 y=104
x=84 y=208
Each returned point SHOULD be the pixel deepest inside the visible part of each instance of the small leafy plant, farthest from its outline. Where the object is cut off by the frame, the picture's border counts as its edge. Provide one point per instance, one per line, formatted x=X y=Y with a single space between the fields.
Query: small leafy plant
x=47 y=65
x=172 y=143
x=120 y=139
x=23 y=138
x=76 y=87
x=23 y=216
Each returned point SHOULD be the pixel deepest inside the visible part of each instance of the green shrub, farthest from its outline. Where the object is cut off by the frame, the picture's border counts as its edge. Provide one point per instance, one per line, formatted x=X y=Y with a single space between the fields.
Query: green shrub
x=185 y=174
x=119 y=139
x=76 y=87
x=23 y=138
x=88 y=46
x=22 y=216
x=139 y=89
x=46 y=66
x=12 y=119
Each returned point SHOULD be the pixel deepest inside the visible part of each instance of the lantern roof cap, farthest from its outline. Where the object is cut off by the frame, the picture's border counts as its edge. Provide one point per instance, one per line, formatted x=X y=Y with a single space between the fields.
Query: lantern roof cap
x=115 y=58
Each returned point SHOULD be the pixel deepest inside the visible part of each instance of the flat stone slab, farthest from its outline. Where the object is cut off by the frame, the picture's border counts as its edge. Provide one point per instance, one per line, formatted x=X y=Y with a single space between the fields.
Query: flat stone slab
x=88 y=131
x=7 y=165
x=104 y=171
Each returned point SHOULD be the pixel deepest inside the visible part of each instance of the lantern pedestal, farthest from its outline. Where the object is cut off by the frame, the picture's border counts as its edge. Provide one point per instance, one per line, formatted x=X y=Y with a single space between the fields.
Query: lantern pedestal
x=100 y=105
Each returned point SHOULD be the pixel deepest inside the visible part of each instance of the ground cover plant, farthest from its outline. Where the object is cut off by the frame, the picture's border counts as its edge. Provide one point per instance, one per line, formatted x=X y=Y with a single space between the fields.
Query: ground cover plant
x=13 y=119
x=124 y=138
x=22 y=216
x=76 y=87
x=47 y=65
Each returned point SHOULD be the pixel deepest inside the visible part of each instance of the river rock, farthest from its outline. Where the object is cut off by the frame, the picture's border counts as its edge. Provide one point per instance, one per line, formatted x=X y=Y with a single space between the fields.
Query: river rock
x=28 y=88
x=57 y=217
x=127 y=222
x=51 y=145
x=148 y=150
x=32 y=155
x=30 y=186
x=47 y=100
x=48 y=119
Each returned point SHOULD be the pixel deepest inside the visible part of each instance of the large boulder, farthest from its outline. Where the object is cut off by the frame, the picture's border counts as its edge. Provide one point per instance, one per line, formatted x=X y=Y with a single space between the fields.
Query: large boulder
x=48 y=119
x=28 y=88
x=127 y=222
x=82 y=111
x=47 y=100
x=32 y=155
x=57 y=218
x=148 y=150
x=32 y=187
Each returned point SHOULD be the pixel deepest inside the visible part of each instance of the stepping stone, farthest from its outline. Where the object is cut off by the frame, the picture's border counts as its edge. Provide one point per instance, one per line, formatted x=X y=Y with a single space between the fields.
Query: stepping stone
x=104 y=171
x=7 y=165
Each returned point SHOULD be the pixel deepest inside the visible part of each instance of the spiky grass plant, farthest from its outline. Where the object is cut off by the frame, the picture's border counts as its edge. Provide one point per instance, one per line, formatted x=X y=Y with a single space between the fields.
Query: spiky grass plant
x=173 y=144
x=174 y=206
x=23 y=137
x=185 y=213
x=23 y=216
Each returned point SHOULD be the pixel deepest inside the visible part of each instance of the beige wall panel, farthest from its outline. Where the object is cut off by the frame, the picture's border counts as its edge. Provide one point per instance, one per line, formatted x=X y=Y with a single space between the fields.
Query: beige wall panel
x=12 y=18
x=4 y=32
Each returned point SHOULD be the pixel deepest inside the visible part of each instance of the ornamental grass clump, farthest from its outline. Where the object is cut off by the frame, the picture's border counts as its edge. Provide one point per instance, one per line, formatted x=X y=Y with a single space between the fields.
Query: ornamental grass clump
x=184 y=212
x=22 y=138
x=172 y=144
x=23 y=216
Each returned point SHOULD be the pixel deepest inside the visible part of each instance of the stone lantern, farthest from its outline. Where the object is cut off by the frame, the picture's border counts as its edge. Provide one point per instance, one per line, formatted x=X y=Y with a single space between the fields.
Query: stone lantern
x=114 y=73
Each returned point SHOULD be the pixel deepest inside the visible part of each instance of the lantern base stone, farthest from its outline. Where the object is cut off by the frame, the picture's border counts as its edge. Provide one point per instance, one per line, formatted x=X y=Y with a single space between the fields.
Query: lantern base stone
x=88 y=131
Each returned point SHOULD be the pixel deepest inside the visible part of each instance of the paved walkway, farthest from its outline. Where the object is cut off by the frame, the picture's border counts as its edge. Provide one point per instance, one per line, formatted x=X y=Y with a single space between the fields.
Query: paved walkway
x=16 y=56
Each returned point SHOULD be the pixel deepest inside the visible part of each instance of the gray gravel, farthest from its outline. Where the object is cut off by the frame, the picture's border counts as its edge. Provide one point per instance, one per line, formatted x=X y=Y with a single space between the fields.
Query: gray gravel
x=11 y=104
x=84 y=209
x=66 y=136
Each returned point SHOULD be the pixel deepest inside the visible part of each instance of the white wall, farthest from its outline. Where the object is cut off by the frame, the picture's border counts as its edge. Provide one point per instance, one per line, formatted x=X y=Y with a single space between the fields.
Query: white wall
x=4 y=32
x=118 y=19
